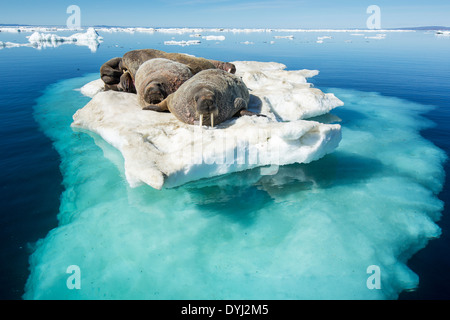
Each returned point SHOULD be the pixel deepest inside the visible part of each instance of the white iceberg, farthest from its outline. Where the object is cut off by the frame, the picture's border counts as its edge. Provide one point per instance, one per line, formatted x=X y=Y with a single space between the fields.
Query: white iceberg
x=161 y=151
x=90 y=39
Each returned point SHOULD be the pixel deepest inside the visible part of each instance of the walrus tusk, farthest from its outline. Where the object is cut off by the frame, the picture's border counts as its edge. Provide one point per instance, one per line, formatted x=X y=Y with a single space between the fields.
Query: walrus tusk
x=201 y=120
x=212 y=120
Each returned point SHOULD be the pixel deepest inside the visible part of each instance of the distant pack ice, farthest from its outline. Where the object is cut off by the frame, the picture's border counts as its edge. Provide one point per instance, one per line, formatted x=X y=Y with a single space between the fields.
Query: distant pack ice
x=161 y=151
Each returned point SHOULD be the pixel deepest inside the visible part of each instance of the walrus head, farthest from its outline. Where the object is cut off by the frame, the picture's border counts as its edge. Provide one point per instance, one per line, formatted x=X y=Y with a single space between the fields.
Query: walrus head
x=206 y=105
x=155 y=92
x=229 y=67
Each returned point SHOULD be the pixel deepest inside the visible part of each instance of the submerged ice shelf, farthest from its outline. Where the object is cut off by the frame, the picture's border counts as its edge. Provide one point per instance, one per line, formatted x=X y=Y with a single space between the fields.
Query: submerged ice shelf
x=308 y=232
x=162 y=152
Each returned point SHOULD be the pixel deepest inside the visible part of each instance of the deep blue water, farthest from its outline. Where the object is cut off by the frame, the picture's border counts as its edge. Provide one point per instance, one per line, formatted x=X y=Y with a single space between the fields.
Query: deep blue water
x=411 y=66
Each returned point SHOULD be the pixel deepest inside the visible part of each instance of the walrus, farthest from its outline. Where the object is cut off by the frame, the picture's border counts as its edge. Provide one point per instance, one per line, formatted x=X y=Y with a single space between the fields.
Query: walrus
x=212 y=96
x=158 y=78
x=110 y=73
x=132 y=60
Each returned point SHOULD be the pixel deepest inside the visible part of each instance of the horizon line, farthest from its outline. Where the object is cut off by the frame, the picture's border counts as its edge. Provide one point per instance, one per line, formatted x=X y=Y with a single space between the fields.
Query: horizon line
x=227 y=28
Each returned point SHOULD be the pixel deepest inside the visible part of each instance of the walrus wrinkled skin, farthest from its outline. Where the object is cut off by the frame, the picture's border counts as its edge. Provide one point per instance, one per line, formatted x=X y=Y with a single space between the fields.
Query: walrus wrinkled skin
x=132 y=60
x=211 y=96
x=158 y=78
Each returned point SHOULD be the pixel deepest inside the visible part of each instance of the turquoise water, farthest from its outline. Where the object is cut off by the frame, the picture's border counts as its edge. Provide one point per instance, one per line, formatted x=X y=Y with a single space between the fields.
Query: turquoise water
x=304 y=233
x=309 y=232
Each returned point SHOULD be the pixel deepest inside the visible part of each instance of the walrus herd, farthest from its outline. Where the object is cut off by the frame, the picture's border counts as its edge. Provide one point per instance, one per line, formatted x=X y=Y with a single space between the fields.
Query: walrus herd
x=193 y=89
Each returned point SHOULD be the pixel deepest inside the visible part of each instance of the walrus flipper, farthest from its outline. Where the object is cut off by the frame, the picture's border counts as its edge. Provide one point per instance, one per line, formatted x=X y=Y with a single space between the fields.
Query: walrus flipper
x=241 y=105
x=160 y=107
x=250 y=113
x=226 y=66
x=110 y=72
x=126 y=83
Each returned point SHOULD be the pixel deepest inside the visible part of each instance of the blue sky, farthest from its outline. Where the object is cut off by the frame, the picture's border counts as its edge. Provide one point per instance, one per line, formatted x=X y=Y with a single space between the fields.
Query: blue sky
x=229 y=13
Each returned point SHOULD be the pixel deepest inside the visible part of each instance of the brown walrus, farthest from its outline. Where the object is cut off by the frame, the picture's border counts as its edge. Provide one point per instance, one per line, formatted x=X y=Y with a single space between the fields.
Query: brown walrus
x=132 y=60
x=158 y=78
x=212 y=95
x=110 y=73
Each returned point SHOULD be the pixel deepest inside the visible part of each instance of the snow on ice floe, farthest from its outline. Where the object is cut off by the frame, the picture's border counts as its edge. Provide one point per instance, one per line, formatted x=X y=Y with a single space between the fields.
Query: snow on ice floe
x=286 y=94
x=160 y=151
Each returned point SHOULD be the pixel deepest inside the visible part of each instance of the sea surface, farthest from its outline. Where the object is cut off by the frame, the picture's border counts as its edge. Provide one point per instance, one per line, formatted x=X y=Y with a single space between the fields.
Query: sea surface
x=309 y=232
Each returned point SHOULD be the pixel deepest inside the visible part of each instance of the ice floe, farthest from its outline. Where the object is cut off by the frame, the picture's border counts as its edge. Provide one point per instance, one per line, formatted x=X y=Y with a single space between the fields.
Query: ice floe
x=14 y=45
x=182 y=43
x=320 y=39
x=162 y=152
x=216 y=38
x=443 y=33
x=284 y=37
x=90 y=38
x=379 y=36
x=39 y=40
